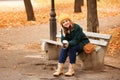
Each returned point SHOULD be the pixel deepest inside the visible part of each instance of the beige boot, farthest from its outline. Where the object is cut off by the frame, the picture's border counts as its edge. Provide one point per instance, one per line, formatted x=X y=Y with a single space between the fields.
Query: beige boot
x=59 y=69
x=70 y=70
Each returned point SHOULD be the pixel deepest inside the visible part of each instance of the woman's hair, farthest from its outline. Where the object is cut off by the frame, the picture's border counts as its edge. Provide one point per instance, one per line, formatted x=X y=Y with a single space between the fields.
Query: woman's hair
x=71 y=23
x=63 y=17
x=71 y=27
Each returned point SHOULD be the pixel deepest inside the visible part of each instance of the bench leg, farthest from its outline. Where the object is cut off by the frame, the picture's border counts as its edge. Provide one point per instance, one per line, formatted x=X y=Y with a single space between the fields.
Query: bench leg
x=93 y=61
x=52 y=51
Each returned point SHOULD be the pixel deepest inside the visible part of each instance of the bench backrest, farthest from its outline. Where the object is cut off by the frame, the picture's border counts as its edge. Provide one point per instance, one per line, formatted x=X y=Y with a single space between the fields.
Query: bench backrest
x=96 y=38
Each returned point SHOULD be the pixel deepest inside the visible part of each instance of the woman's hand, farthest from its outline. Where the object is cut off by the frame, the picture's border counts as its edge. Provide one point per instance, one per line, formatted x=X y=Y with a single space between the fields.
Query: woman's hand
x=64 y=31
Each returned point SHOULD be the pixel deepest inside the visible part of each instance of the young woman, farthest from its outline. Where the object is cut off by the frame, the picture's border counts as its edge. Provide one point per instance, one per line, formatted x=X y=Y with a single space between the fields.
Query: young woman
x=73 y=40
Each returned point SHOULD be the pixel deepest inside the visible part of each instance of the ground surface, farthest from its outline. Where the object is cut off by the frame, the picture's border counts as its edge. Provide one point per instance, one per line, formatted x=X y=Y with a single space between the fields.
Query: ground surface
x=21 y=57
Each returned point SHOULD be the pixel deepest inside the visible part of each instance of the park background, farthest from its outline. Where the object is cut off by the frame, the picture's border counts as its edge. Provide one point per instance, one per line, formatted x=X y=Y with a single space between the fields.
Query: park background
x=19 y=37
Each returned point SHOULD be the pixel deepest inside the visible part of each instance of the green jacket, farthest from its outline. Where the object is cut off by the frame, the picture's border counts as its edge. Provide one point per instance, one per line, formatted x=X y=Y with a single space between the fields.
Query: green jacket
x=75 y=37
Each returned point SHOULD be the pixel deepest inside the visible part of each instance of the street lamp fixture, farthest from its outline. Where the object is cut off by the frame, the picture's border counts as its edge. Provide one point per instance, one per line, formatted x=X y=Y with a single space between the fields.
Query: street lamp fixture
x=53 y=23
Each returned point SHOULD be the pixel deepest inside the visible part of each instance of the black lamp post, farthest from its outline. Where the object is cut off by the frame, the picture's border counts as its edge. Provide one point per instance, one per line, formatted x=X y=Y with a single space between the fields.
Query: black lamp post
x=53 y=30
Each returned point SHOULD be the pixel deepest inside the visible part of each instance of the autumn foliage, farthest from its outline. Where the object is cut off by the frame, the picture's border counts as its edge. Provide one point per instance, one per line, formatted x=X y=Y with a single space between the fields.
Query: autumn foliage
x=114 y=45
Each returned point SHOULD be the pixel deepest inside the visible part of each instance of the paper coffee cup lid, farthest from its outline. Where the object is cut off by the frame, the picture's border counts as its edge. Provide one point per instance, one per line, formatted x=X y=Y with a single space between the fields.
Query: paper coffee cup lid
x=65 y=41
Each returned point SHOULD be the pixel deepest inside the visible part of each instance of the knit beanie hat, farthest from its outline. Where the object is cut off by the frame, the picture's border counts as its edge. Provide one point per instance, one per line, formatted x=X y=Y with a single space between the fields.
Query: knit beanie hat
x=63 y=16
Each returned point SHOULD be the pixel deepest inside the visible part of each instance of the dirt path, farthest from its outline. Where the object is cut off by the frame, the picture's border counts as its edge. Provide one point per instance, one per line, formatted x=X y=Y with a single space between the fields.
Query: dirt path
x=22 y=59
x=30 y=65
x=22 y=35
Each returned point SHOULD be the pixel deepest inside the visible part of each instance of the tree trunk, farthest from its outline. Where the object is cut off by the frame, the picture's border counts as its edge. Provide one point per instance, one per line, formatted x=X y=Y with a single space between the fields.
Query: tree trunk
x=92 y=18
x=82 y=2
x=29 y=10
x=77 y=5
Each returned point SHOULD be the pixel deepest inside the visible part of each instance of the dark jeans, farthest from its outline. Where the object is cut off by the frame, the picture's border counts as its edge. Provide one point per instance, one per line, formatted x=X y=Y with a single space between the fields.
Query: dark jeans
x=71 y=52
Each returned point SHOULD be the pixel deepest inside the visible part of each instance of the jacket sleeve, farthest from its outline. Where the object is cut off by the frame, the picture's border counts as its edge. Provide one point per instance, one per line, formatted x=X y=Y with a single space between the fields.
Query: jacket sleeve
x=77 y=37
x=62 y=36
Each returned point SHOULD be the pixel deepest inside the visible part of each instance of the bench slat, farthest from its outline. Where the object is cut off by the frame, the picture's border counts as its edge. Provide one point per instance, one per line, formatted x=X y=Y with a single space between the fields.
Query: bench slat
x=58 y=35
x=97 y=35
x=99 y=42
x=52 y=42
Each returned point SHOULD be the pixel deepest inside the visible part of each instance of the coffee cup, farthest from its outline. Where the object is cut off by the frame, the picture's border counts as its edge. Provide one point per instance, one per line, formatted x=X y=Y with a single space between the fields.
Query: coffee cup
x=65 y=42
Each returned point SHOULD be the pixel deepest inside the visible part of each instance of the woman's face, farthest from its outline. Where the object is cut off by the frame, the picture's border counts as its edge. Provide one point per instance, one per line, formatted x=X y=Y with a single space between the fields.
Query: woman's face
x=66 y=23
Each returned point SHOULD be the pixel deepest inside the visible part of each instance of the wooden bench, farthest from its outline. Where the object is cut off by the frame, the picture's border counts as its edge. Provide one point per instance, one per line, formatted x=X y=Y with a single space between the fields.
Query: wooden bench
x=92 y=61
